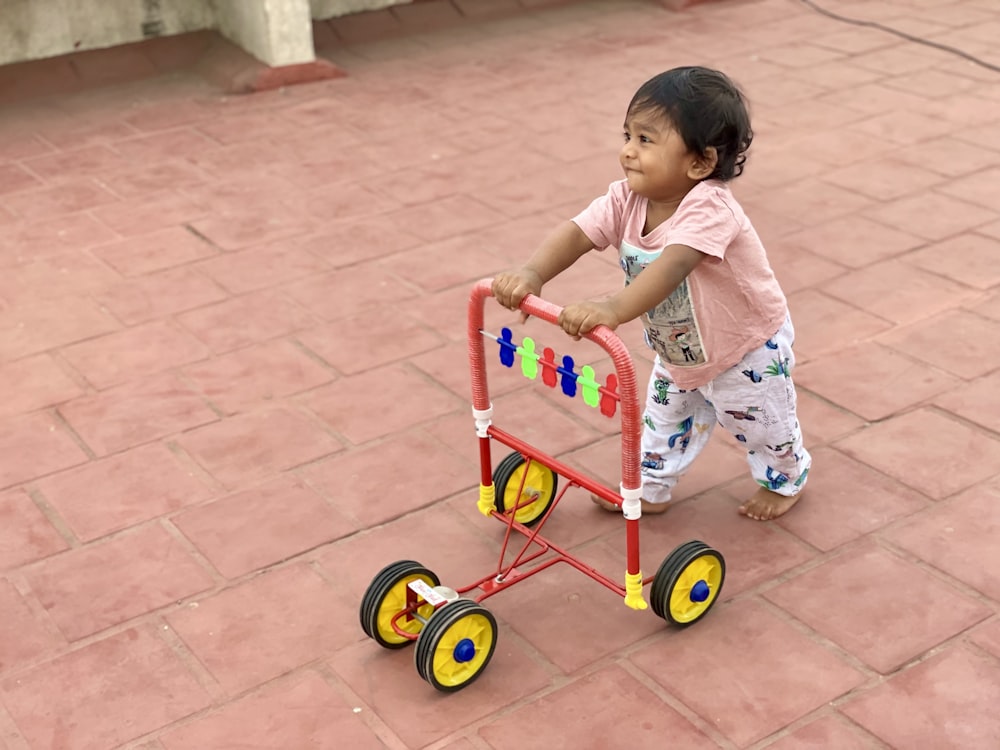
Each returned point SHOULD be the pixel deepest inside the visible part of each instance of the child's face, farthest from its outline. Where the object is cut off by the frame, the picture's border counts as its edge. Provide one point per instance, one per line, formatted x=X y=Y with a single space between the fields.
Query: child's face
x=657 y=164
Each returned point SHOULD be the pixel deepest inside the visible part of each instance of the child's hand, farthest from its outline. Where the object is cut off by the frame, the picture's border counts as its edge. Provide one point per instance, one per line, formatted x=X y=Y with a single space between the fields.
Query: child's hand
x=511 y=287
x=582 y=317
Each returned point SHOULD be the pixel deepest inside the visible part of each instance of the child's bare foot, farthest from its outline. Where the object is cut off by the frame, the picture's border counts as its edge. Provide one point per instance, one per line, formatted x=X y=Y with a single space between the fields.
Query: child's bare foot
x=765 y=505
x=647 y=507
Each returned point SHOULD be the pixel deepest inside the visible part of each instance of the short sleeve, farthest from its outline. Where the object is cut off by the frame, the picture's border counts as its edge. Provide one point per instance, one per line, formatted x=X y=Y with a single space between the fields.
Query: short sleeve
x=602 y=220
x=706 y=220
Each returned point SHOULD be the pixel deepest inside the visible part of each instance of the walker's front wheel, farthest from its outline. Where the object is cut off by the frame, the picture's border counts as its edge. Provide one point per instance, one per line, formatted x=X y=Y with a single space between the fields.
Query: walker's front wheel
x=386 y=597
x=456 y=645
x=525 y=487
x=688 y=583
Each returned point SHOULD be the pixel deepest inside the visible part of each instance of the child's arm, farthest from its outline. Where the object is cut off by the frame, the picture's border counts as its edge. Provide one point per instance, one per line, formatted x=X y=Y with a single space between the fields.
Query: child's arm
x=559 y=251
x=657 y=281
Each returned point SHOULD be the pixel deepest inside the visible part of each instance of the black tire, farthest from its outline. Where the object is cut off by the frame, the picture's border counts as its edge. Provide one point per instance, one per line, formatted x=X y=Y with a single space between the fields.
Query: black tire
x=688 y=583
x=455 y=646
x=506 y=476
x=386 y=596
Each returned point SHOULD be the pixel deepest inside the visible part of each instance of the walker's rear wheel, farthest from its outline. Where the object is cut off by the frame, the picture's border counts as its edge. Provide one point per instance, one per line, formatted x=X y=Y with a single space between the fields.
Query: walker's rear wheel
x=539 y=490
x=386 y=597
x=456 y=645
x=688 y=583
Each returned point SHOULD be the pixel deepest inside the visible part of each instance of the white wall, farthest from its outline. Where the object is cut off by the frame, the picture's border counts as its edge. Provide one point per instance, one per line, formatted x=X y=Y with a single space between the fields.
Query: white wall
x=32 y=29
x=277 y=32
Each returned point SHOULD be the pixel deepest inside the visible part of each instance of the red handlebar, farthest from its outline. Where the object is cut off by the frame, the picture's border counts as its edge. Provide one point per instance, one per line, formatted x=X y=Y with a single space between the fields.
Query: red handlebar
x=603 y=336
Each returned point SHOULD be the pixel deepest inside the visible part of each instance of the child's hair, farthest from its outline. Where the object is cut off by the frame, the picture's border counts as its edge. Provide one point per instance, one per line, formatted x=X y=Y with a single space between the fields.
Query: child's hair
x=706 y=108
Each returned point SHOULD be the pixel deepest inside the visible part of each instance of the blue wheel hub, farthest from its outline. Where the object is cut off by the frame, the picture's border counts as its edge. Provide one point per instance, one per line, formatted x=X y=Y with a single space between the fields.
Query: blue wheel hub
x=700 y=592
x=465 y=651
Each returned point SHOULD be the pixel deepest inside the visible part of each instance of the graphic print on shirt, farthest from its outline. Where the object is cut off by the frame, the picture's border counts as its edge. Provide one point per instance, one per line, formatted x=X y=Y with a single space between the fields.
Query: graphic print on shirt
x=671 y=327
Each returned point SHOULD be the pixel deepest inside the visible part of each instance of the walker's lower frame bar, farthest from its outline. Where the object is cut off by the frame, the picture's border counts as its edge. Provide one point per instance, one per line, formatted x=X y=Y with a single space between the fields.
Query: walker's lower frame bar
x=576 y=478
x=507 y=575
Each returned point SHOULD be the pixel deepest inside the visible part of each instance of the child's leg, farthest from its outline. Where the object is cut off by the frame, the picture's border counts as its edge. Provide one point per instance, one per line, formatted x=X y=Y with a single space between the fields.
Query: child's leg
x=676 y=427
x=755 y=401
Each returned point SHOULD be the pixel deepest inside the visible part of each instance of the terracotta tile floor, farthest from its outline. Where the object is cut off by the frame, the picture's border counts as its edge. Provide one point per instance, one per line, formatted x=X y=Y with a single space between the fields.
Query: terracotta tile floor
x=234 y=386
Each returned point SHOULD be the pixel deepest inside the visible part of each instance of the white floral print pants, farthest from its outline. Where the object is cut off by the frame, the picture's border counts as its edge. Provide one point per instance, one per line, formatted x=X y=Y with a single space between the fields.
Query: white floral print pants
x=754 y=400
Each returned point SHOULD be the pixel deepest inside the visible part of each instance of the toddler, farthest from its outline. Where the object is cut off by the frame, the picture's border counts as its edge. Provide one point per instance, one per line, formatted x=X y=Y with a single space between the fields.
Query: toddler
x=698 y=277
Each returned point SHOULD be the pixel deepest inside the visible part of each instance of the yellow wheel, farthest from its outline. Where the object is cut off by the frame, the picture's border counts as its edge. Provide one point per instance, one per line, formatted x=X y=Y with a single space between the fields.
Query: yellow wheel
x=530 y=501
x=688 y=583
x=386 y=597
x=456 y=645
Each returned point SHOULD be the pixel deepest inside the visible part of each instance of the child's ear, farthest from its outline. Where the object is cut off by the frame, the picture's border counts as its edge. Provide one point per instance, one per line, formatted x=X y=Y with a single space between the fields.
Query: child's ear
x=704 y=165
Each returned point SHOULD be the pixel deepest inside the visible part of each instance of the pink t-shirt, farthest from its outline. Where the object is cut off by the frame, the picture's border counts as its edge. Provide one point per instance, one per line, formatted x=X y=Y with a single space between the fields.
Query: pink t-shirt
x=729 y=305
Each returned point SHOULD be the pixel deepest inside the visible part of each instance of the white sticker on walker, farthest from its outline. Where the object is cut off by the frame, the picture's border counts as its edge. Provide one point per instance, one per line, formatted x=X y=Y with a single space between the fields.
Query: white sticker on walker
x=425 y=592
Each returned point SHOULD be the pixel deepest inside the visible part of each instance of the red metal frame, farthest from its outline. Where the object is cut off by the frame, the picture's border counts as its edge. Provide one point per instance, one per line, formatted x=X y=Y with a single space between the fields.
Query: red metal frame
x=505 y=576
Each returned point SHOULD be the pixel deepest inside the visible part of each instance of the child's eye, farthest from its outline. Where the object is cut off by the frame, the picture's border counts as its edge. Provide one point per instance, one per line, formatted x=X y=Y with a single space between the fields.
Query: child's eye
x=644 y=139
x=627 y=136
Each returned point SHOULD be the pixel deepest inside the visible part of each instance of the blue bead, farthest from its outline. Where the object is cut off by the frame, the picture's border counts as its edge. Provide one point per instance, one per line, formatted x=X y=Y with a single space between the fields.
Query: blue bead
x=507 y=347
x=568 y=376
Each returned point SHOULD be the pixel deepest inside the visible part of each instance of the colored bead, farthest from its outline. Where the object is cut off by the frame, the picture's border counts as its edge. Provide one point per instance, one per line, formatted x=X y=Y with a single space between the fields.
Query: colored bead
x=568 y=376
x=507 y=348
x=591 y=396
x=529 y=360
x=549 y=367
x=609 y=402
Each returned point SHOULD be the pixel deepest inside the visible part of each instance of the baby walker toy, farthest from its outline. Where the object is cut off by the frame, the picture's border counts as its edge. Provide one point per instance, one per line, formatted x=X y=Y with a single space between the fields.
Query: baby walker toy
x=455 y=635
